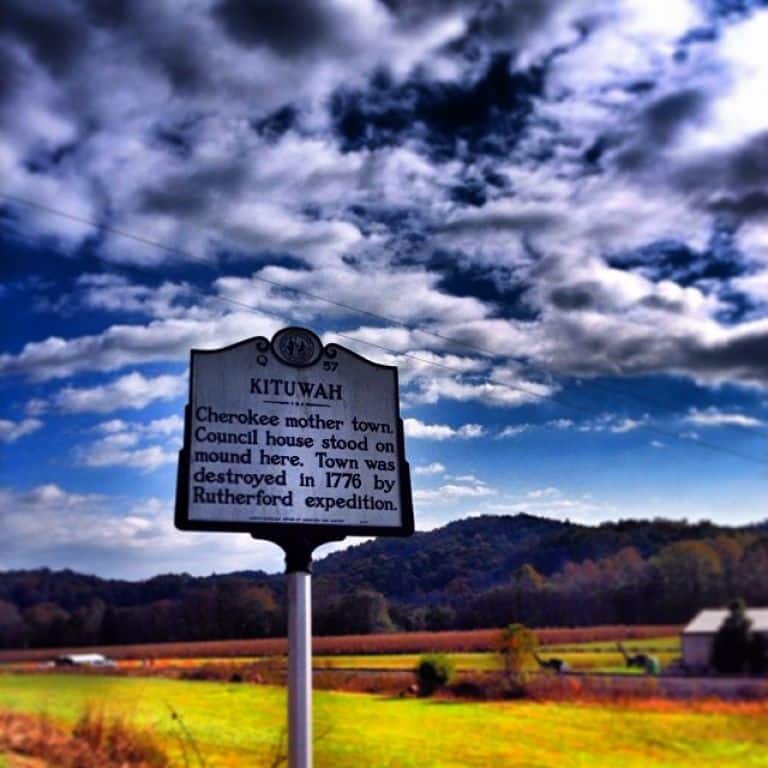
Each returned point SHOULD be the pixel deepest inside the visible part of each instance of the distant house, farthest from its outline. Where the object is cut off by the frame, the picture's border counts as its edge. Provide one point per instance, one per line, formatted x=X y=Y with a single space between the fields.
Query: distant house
x=698 y=636
x=83 y=660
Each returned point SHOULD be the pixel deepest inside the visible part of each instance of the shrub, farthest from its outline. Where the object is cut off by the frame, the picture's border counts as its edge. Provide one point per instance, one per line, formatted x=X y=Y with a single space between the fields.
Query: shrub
x=434 y=671
x=118 y=741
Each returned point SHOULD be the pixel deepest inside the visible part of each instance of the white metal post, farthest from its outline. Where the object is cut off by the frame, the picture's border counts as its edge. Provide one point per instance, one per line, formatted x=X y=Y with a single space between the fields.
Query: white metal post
x=299 y=669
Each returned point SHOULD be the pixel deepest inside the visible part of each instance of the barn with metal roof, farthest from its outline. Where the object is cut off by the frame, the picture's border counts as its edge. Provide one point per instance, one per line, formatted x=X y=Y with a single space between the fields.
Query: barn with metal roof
x=699 y=635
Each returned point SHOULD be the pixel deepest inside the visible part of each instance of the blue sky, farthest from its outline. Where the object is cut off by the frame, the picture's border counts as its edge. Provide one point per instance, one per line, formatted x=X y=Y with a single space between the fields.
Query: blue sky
x=551 y=216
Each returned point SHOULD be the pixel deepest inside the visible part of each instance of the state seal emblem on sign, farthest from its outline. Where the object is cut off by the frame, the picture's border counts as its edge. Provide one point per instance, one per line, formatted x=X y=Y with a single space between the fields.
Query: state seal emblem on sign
x=297 y=347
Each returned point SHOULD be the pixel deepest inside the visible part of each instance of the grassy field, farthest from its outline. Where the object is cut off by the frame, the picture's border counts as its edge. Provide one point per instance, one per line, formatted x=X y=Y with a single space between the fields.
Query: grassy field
x=665 y=644
x=601 y=657
x=238 y=725
x=591 y=656
x=592 y=661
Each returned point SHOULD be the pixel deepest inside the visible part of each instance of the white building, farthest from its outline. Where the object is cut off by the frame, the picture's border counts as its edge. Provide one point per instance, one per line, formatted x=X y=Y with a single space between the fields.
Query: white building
x=698 y=636
x=83 y=660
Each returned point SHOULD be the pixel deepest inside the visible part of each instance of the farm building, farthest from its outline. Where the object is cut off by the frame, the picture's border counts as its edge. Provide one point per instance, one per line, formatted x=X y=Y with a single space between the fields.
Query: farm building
x=698 y=636
x=83 y=660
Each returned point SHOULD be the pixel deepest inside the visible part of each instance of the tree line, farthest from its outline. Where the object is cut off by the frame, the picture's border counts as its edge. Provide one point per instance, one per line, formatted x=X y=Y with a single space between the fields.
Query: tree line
x=46 y=609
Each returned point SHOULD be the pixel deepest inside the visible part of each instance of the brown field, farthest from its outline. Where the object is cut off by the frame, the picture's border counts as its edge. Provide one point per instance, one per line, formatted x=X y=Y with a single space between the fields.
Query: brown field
x=400 y=642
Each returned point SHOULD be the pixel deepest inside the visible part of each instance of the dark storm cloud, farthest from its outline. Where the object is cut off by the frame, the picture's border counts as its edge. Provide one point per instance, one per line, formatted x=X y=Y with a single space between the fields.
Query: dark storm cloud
x=53 y=33
x=486 y=116
x=192 y=192
x=734 y=180
x=289 y=29
x=575 y=297
x=181 y=62
x=656 y=126
x=159 y=36
x=110 y=13
x=664 y=118
x=750 y=204
x=741 y=357
x=11 y=79
x=59 y=34
x=510 y=22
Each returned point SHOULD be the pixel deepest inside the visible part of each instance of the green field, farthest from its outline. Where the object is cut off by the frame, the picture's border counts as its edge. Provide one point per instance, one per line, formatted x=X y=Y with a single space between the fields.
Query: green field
x=239 y=725
x=595 y=657
x=593 y=661
x=669 y=644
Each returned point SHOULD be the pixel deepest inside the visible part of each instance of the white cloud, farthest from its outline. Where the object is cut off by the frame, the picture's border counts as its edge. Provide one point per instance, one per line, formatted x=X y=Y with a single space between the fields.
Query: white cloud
x=51 y=526
x=121 y=451
x=11 y=431
x=713 y=417
x=417 y=429
x=739 y=109
x=555 y=503
x=419 y=297
x=451 y=492
x=133 y=391
x=543 y=493
x=125 y=444
x=625 y=425
x=435 y=468
x=513 y=430
x=170 y=425
x=115 y=293
x=121 y=345
x=606 y=422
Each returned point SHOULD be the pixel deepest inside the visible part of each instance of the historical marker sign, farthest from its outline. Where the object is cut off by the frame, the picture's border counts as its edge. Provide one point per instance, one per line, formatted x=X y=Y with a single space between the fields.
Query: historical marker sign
x=290 y=435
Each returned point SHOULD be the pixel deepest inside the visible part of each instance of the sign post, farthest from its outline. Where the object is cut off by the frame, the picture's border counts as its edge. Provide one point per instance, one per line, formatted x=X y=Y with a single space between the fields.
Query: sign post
x=299 y=669
x=299 y=444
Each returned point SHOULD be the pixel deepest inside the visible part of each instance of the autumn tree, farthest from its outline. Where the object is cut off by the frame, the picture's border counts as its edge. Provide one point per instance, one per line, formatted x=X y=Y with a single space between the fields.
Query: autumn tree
x=516 y=644
x=688 y=575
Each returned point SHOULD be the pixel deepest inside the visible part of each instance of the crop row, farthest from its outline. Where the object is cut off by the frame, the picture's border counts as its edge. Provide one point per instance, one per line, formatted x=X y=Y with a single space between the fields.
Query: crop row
x=401 y=642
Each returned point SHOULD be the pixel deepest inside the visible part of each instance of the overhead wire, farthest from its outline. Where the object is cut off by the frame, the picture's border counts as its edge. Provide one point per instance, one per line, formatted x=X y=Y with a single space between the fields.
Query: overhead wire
x=506 y=385
x=408 y=355
x=519 y=359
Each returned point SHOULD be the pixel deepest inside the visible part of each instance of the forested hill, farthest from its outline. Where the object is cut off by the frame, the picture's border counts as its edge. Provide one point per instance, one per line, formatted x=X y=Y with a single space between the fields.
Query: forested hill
x=482 y=571
x=484 y=551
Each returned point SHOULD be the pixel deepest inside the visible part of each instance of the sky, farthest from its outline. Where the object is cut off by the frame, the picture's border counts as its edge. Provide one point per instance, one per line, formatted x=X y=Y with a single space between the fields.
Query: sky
x=552 y=216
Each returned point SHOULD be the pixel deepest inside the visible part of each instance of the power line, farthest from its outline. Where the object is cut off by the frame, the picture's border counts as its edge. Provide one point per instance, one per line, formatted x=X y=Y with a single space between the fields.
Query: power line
x=486 y=353
x=334 y=302
x=532 y=393
x=519 y=359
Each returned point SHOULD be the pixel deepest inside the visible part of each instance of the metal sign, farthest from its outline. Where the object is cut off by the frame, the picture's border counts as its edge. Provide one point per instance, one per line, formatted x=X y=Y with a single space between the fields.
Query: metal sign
x=291 y=437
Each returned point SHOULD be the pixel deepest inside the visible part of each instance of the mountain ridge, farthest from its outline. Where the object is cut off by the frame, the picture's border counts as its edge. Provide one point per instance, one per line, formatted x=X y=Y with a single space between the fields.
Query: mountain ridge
x=478 y=571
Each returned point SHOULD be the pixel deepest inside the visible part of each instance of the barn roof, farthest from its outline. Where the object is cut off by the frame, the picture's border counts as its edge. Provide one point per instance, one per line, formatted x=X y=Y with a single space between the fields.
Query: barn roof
x=84 y=658
x=709 y=620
